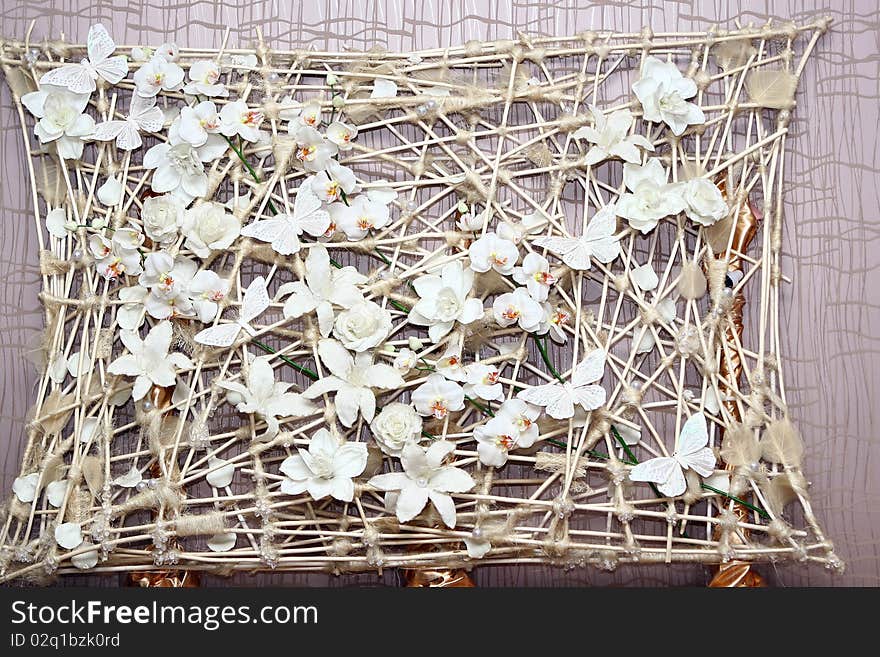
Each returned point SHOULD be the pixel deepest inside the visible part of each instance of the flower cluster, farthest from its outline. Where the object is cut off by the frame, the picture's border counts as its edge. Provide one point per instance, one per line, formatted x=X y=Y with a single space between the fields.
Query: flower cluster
x=157 y=247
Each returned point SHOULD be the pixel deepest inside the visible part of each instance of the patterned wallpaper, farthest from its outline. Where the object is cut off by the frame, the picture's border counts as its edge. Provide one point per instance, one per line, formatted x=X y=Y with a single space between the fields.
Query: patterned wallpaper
x=832 y=239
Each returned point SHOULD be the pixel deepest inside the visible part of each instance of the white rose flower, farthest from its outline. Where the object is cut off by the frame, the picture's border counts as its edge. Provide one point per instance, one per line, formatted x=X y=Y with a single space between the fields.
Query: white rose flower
x=397 y=425
x=705 y=203
x=662 y=90
x=178 y=169
x=209 y=227
x=162 y=216
x=405 y=360
x=362 y=326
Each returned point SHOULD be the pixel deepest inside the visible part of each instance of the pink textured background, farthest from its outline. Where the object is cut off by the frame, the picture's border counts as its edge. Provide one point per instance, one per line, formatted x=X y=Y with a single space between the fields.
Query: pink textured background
x=832 y=240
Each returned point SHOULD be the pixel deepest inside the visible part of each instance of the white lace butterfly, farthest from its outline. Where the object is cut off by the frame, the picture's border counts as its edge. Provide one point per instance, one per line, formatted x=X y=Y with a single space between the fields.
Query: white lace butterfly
x=691 y=453
x=255 y=302
x=598 y=241
x=283 y=230
x=560 y=398
x=142 y=115
x=80 y=78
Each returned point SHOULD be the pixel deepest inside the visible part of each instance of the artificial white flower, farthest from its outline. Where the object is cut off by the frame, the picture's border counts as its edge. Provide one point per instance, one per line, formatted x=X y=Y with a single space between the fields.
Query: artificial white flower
x=395 y=426
x=425 y=477
x=206 y=291
x=650 y=197
x=113 y=257
x=324 y=288
x=68 y=535
x=162 y=216
x=178 y=169
x=611 y=137
x=705 y=202
x=326 y=468
x=470 y=222
x=62 y=120
x=535 y=274
x=197 y=124
x=299 y=114
x=645 y=277
x=405 y=360
x=56 y=223
x=493 y=252
x=236 y=118
x=496 y=438
x=481 y=381
x=56 y=491
x=444 y=300
x=148 y=360
x=450 y=364
x=208 y=226
x=130 y=479
x=167 y=278
x=130 y=315
x=341 y=134
x=383 y=88
x=516 y=232
x=283 y=230
x=437 y=396
x=362 y=326
x=168 y=51
x=663 y=92
x=110 y=194
x=361 y=216
x=353 y=380
x=220 y=472
x=204 y=78
x=524 y=416
x=553 y=321
x=334 y=183
x=313 y=150
x=518 y=307
x=158 y=74
x=265 y=397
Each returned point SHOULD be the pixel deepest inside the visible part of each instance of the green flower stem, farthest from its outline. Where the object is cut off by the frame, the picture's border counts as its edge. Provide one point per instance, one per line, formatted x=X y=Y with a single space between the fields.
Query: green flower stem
x=483 y=409
x=756 y=509
x=299 y=368
x=542 y=347
x=250 y=169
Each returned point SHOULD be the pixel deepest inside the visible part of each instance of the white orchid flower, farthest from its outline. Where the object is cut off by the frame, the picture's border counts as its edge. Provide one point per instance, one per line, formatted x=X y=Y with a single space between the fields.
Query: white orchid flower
x=158 y=74
x=204 y=78
x=437 y=396
x=482 y=381
x=444 y=300
x=341 y=134
x=360 y=216
x=206 y=291
x=167 y=278
x=493 y=252
x=265 y=397
x=611 y=137
x=313 y=150
x=425 y=477
x=325 y=468
x=353 y=380
x=535 y=274
x=236 y=118
x=518 y=307
x=324 y=288
x=334 y=183
x=148 y=360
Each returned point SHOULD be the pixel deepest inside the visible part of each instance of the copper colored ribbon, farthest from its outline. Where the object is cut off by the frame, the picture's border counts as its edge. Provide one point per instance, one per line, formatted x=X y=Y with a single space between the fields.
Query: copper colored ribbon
x=734 y=573
x=161 y=398
x=437 y=578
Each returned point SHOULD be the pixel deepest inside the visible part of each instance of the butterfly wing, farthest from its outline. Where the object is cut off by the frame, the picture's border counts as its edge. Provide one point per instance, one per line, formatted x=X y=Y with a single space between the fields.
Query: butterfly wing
x=590 y=397
x=286 y=243
x=590 y=369
x=113 y=69
x=266 y=230
x=145 y=114
x=554 y=397
x=222 y=335
x=128 y=138
x=599 y=235
x=663 y=471
x=316 y=223
x=108 y=130
x=100 y=44
x=305 y=203
x=692 y=451
x=256 y=299
x=74 y=77
x=573 y=251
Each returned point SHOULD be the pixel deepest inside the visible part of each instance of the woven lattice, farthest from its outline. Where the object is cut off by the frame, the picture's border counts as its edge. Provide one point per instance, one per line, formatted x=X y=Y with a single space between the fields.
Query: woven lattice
x=484 y=138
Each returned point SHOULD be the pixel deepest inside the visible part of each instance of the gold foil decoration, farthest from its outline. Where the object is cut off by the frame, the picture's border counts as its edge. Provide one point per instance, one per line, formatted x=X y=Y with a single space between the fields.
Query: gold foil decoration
x=438 y=578
x=736 y=574
x=175 y=579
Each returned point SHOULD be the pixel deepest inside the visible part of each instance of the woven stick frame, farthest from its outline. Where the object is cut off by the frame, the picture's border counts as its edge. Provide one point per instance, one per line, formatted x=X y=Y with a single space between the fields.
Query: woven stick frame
x=501 y=141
